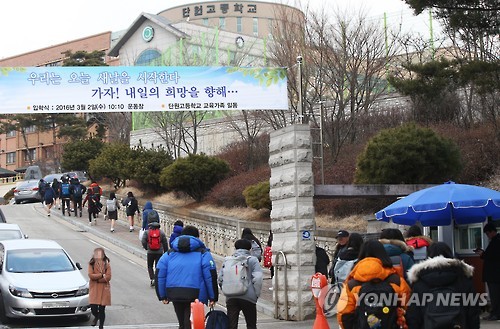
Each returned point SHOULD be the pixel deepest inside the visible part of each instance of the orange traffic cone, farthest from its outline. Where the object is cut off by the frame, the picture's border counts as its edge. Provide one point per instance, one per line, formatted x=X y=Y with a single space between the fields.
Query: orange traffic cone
x=320 y=322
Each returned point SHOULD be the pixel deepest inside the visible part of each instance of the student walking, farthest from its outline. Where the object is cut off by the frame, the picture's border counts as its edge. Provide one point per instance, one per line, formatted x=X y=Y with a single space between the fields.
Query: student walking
x=55 y=186
x=49 y=197
x=77 y=190
x=132 y=207
x=178 y=226
x=155 y=242
x=342 y=240
x=257 y=249
x=186 y=273
x=92 y=206
x=244 y=299
x=64 y=193
x=111 y=211
x=99 y=271
x=440 y=277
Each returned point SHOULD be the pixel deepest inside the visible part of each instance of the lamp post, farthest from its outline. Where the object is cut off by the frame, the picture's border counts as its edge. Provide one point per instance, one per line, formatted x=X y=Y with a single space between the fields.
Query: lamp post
x=301 y=99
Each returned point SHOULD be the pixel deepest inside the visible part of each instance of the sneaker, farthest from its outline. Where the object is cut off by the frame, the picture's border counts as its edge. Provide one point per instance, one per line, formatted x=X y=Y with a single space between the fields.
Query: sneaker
x=48 y=214
x=90 y=223
x=131 y=228
x=112 y=230
x=80 y=214
x=152 y=283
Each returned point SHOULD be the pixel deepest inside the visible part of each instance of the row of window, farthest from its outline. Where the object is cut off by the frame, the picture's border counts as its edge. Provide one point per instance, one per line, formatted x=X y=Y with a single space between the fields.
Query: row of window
x=239 y=24
x=28 y=156
x=27 y=130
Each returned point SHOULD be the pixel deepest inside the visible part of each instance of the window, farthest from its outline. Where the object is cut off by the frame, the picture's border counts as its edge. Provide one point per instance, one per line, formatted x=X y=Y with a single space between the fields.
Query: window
x=468 y=237
x=11 y=157
x=11 y=133
x=239 y=25
x=29 y=155
x=30 y=129
x=222 y=22
x=147 y=57
x=255 y=26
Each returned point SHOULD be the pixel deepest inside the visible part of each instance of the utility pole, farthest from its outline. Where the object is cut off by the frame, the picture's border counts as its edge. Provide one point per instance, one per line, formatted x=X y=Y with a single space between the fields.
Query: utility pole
x=301 y=109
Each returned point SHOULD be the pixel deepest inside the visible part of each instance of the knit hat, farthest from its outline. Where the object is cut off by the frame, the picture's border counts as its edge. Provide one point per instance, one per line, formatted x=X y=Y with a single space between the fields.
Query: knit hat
x=243 y=244
x=153 y=217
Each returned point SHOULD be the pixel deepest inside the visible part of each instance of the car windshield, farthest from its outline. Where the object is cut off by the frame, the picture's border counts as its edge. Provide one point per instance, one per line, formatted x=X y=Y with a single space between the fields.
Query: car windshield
x=38 y=261
x=10 y=234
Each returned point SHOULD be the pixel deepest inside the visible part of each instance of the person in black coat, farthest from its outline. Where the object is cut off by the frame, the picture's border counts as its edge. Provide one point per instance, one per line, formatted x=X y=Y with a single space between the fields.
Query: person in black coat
x=437 y=271
x=322 y=261
x=491 y=269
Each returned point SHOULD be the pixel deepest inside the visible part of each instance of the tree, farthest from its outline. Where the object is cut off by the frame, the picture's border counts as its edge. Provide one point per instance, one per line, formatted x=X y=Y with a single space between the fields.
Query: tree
x=114 y=162
x=77 y=154
x=480 y=15
x=20 y=123
x=408 y=155
x=194 y=175
x=148 y=164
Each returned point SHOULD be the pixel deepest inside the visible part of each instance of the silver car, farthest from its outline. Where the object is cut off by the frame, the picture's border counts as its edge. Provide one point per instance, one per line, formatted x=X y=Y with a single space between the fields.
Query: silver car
x=11 y=231
x=39 y=279
x=27 y=191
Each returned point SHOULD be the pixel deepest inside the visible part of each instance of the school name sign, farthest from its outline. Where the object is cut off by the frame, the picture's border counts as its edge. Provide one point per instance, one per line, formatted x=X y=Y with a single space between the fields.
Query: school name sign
x=141 y=89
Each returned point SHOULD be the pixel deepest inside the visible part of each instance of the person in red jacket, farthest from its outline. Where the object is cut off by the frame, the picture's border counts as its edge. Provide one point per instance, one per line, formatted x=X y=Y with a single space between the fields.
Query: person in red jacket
x=418 y=241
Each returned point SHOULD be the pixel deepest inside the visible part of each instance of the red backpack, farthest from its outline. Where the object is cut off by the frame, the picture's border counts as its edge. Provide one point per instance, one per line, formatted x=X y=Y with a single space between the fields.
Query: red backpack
x=154 y=239
x=268 y=257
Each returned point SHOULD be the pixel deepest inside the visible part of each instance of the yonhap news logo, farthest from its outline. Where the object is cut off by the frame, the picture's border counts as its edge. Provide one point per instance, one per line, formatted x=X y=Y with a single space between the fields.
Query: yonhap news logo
x=333 y=300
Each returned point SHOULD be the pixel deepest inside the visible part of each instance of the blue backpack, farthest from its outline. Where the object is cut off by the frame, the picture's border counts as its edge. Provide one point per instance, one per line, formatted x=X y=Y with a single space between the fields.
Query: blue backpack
x=65 y=189
x=216 y=319
x=77 y=191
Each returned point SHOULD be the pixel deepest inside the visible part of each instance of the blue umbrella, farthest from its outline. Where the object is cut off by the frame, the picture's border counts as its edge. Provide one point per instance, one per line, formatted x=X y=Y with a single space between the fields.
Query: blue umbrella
x=440 y=205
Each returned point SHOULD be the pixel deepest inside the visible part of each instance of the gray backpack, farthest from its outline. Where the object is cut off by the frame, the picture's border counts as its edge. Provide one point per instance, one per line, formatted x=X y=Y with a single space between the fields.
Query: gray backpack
x=256 y=250
x=235 y=275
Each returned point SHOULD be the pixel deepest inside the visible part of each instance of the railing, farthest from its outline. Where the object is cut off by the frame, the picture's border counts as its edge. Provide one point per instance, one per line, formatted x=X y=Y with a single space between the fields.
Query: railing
x=280 y=267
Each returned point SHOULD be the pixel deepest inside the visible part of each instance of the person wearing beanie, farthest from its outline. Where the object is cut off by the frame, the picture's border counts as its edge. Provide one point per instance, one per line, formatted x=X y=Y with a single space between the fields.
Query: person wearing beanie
x=155 y=248
x=178 y=226
x=187 y=272
x=247 y=301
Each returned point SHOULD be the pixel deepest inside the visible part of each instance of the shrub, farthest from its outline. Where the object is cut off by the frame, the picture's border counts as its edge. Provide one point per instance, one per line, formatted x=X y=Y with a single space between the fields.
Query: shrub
x=195 y=175
x=241 y=159
x=229 y=192
x=408 y=155
x=257 y=196
x=148 y=164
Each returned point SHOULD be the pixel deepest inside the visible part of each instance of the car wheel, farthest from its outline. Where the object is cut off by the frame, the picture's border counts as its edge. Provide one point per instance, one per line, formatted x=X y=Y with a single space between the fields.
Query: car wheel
x=3 y=317
x=84 y=318
x=18 y=202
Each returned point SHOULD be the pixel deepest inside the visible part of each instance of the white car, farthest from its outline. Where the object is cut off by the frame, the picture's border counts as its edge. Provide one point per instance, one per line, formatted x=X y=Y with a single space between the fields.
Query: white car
x=11 y=231
x=38 y=279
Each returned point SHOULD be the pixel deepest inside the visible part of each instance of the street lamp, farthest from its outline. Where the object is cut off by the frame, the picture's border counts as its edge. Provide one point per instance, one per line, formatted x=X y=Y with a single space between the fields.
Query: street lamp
x=301 y=100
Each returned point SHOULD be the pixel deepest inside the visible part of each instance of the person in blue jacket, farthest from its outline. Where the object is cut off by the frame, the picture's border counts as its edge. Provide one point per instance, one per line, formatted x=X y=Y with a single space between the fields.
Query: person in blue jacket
x=397 y=249
x=187 y=272
x=178 y=226
x=148 y=206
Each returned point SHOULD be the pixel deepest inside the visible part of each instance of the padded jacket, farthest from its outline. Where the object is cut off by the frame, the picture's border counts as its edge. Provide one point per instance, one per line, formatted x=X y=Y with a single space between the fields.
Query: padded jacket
x=187 y=272
x=367 y=269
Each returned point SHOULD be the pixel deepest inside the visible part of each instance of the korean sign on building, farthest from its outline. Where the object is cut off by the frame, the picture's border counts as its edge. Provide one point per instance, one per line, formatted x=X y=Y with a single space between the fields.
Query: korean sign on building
x=223 y=8
x=136 y=88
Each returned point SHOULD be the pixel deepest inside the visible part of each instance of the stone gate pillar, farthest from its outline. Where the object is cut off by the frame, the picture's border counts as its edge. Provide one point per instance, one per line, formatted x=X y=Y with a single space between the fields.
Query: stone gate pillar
x=293 y=224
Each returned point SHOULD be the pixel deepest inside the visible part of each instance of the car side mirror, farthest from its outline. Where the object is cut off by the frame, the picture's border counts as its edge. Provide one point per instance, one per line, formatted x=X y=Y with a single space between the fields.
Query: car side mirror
x=78 y=266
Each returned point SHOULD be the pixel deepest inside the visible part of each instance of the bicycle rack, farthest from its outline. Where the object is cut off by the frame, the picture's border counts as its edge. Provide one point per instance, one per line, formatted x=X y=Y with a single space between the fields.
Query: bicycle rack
x=280 y=267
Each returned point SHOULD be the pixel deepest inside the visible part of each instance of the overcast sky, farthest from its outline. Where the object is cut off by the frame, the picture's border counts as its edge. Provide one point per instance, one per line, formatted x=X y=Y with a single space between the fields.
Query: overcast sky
x=27 y=25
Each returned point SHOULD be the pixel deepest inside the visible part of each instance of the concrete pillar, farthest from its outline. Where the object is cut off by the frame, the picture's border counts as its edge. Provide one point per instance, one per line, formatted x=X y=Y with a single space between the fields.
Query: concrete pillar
x=293 y=223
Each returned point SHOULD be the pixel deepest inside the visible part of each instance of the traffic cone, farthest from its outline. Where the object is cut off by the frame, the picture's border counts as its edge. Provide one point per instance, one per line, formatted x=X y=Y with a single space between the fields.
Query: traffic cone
x=320 y=322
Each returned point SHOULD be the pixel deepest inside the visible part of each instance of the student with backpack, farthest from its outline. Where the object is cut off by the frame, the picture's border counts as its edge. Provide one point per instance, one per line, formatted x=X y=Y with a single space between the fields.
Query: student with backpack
x=56 y=186
x=186 y=273
x=155 y=242
x=400 y=253
x=92 y=205
x=111 y=211
x=77 y=190
x=65 y=195
x=132 y=207
x=373 y=277
x=419 y=242
x=438 y=278
x=256 y=245
x=347 y=258
x=49 y=197
x=240 y=279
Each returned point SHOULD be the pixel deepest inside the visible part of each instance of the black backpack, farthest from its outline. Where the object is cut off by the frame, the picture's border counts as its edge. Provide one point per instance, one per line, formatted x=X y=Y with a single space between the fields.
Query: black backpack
x=216 y=319
x=377 y=304
x=444 y=312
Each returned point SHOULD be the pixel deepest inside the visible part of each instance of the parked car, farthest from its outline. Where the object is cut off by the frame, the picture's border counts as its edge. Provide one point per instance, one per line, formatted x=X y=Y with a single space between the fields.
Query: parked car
x=77 y=174
x=11 y=231
x=38 y=279
x=27 y=191
x=50 y=177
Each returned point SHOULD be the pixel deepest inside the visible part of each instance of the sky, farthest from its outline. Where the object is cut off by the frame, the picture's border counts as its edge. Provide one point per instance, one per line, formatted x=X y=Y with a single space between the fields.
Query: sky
x=28 y=25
